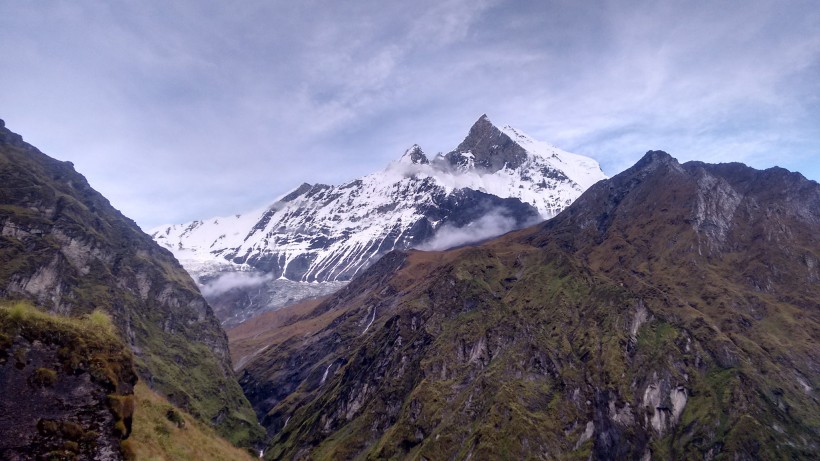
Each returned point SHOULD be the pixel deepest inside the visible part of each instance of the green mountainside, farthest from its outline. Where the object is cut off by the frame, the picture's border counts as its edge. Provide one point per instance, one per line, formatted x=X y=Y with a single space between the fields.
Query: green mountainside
x=672 y=312
x=67 y=250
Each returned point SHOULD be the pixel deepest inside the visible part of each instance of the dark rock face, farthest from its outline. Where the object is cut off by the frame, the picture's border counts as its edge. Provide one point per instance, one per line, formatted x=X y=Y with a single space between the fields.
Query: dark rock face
x=492 y=149
x=670 y=312
x=466 y=205
x=63 y=246
x=9 y=137
x=39 y=419
x=60 y=388
x=301 y=190
x=416 y=155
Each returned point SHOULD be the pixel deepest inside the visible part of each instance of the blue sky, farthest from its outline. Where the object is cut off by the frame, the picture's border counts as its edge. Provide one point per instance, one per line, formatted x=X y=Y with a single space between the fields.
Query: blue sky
x=190 y=109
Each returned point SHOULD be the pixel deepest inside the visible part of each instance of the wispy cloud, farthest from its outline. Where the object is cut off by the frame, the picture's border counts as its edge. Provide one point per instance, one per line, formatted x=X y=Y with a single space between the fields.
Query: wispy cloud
x=489 y=225
x=228 y=281
x=181 y=110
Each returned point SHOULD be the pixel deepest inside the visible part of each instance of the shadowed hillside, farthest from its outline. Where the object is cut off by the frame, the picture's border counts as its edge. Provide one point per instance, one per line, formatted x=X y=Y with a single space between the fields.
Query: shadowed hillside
x=65 y=248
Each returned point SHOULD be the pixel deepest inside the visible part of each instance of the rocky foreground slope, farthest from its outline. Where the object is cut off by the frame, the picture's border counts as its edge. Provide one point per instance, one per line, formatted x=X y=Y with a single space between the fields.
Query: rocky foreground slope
x=67 y=387
x=67 y=250
x=496 y=180
x=670 y=313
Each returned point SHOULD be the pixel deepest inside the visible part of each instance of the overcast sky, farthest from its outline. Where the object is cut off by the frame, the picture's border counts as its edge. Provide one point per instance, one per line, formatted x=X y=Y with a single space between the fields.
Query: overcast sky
x=178 y=110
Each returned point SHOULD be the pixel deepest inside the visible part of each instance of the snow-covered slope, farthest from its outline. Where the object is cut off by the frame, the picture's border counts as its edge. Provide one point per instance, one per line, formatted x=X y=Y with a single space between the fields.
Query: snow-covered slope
x=496 y=180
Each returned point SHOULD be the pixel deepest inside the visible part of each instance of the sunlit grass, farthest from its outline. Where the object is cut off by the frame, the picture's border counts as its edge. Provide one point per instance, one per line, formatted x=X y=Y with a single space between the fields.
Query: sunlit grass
x=23 y=314
x=158 y=436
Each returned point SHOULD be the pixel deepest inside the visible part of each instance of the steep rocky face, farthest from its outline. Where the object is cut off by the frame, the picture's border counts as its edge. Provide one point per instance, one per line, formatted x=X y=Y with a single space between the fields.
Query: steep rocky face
x=67 y=388
x=487 y=148
x=63 y=246
x=670 y=312
x=497 y=180
x=414 y=155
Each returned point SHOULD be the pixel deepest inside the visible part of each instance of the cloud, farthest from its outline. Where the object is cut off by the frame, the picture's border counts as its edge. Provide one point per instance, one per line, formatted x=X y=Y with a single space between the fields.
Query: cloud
x=492 y=224
x=702 y=83
x=231 y=280
x=179 y=111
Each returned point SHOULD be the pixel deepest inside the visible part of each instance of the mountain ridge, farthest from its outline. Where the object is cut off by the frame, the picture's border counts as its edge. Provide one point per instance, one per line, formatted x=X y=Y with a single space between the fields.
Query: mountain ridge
x=651 y=319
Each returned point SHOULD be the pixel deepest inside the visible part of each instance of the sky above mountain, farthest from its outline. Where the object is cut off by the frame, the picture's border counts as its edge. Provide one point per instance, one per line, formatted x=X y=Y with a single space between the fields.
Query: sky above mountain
x=189 y=109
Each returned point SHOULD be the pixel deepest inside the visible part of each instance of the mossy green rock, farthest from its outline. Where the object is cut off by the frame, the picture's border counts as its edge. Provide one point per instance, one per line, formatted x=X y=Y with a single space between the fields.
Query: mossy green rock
x=670 y=313
x=58 y=378
x=65 y=248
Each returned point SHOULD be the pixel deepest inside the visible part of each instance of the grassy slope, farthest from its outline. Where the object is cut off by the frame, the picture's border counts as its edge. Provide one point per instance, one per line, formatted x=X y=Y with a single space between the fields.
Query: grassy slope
x=89 y=342
x=267 y=329
x=156 y=437
x=87 y=346
x=501 y=364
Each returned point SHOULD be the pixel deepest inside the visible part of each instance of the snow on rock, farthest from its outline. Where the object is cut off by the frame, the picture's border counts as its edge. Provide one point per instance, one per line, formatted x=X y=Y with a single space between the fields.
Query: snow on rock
x=321 y=233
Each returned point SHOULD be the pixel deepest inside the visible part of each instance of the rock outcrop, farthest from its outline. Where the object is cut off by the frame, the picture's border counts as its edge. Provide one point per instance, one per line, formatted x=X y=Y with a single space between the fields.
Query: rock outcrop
x=487 y=148
x=67 y=388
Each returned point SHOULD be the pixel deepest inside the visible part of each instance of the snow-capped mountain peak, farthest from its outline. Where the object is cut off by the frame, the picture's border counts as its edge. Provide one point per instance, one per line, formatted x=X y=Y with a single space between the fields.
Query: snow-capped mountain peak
x=414 y=155
x=321 y=233
x=582 y=170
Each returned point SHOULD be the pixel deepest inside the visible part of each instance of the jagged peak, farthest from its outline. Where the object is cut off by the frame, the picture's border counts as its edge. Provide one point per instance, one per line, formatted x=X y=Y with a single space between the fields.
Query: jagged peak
x=296 y=192
x=483 y=123
x=482 y=128
x=656 y=156
x=414 y=155
x=491 y=148
x=650 y=162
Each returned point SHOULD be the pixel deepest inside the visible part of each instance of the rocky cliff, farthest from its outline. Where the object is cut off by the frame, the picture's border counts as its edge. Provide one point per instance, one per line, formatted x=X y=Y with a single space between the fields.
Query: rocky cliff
x=65 y=248
x=67 y=387
x=670 y=313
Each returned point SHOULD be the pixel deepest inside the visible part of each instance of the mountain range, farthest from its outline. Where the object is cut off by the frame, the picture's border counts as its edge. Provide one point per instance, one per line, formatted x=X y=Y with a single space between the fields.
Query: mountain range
x=318 y=237
x=671 y=312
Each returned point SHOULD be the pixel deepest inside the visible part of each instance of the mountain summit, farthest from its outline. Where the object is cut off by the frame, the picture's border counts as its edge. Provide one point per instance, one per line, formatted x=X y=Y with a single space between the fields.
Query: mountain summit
x=414 y=155
x=496 y=180
x=671 y=312
x=489 y=148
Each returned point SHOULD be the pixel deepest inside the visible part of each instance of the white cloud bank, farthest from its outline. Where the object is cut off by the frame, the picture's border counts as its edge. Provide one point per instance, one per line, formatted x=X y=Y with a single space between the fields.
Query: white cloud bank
x=231 y=280
x=488 y=226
